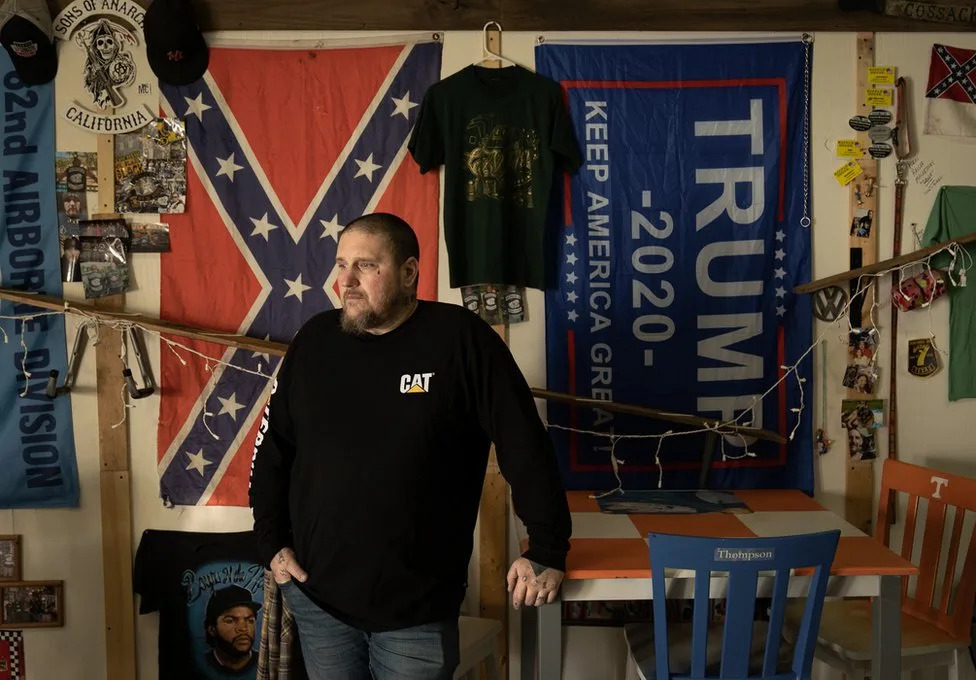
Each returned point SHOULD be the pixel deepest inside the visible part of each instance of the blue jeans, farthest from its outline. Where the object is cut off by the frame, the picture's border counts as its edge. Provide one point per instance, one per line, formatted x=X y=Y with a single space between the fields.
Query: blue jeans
x=336 y=651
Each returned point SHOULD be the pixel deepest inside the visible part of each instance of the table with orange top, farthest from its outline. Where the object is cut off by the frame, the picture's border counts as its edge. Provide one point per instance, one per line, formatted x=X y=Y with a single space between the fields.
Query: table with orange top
x=609 y=560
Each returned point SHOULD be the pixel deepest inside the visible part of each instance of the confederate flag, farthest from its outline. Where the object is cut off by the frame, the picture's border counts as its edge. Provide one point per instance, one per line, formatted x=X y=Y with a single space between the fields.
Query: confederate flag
x=951 y=92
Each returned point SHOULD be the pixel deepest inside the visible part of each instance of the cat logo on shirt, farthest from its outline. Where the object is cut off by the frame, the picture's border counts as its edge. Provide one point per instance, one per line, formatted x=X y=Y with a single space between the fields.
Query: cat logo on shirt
x=415 y=383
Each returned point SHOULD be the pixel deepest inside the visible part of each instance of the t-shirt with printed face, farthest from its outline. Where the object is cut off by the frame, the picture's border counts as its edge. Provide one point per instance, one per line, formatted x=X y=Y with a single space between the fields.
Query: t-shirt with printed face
x=208 y=589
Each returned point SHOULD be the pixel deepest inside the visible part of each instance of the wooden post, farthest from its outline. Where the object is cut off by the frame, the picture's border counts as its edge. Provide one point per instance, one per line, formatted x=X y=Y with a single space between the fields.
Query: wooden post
x=493 y=546
x=860 y=474
x=113 y=454
x=493 y=535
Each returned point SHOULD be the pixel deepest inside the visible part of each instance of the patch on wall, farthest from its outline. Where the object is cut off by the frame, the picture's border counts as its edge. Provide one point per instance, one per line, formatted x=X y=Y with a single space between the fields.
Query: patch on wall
x=104 y=69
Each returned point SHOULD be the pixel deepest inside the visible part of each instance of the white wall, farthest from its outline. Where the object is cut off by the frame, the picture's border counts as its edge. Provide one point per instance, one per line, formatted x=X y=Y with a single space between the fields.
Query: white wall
x=932 y=431
x=65 y=544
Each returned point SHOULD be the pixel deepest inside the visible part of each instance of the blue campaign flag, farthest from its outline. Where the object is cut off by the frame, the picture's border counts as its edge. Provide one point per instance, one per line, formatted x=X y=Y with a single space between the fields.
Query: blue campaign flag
x=681 y=241
x=37 y=447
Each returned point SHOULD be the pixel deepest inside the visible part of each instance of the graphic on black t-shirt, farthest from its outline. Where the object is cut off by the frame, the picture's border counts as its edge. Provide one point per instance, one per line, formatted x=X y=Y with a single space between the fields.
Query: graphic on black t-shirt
x=209 y=590
x=500 y=160
x=223 y=603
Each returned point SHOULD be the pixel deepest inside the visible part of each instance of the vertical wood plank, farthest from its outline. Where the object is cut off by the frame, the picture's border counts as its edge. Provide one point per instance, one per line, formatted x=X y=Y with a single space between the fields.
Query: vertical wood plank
x=949 y=578
x=113 y=450
x=120 y=638
x=928 y=566
x=860 y=474
x=493 y=537
x=493 y=544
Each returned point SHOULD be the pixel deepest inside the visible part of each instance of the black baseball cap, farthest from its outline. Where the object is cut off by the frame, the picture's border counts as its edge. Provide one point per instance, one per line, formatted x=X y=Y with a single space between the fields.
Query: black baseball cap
x=26 y=33
x=228 y=598
x=177 y=52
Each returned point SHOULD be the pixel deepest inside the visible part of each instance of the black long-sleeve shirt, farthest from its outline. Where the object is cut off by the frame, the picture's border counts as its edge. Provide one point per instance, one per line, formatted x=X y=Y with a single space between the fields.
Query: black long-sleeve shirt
x=372 y=455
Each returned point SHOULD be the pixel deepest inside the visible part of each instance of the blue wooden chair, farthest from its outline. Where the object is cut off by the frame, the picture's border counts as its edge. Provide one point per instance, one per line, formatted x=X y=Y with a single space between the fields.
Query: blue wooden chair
x=748 y=648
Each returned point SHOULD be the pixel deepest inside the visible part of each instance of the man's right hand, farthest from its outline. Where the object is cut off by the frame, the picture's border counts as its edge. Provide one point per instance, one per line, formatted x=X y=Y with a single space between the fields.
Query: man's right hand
x=284 y=567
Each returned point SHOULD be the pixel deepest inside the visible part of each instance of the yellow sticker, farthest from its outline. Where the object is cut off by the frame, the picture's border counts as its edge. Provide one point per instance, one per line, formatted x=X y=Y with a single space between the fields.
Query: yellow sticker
x=881 y=75
x=878 y=96
x=847 y=172
x=849 y=148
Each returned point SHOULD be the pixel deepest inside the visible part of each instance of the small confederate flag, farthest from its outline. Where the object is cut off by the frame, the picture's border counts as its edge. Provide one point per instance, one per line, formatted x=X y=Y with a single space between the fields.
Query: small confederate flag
x=951 y=92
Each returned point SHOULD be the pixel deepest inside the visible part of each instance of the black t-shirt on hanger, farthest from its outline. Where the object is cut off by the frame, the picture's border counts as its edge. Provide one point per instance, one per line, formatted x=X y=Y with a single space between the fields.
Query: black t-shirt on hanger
x=501 y=135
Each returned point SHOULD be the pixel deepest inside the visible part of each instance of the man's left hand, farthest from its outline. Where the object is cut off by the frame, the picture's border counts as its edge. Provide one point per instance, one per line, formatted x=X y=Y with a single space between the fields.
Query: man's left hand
x=532 y=583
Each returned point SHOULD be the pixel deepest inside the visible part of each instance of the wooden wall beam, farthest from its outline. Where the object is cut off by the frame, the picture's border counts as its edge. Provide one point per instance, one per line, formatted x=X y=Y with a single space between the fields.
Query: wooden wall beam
x=883 y=265
x=859 y=491
x=113 y=456
x=493 y=512
x=545 y=15
x=278 y=349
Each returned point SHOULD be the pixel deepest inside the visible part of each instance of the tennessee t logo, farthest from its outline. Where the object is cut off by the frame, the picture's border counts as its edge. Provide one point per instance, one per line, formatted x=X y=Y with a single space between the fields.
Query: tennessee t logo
x=939 y=483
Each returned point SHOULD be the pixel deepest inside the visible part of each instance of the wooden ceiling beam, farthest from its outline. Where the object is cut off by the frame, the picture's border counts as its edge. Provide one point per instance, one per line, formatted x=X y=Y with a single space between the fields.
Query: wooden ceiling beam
x=545 y=15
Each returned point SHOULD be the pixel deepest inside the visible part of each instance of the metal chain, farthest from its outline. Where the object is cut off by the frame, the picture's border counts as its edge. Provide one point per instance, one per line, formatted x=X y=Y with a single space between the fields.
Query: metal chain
x=807 y=40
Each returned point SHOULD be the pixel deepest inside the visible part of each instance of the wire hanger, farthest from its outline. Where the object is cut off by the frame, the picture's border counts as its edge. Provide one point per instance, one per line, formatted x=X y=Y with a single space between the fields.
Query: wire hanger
x=486 y=53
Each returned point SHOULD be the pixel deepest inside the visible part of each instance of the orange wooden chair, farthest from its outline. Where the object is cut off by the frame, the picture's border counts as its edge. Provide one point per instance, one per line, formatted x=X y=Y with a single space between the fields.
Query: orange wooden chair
x=936 y=615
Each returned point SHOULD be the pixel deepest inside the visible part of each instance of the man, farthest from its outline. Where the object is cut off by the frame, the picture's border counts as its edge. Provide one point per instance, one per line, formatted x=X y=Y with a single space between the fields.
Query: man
x=368 y=468
x=230 y=626
x=72 y=205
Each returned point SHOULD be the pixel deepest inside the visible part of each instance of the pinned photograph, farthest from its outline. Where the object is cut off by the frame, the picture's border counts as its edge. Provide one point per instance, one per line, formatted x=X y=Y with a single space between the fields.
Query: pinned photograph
x=150 y=168
x=861 y=224
x=102 y=279
x=861 y=444
x=10 y=558
x=103 y=228
x=863 y=414
x=70 y=259
x=32 y=604
x=862 y=344
x=72 y=207
x=150 y=237
x=76 y=171
x=104 y=267
x=861 y=418
x=861 y=378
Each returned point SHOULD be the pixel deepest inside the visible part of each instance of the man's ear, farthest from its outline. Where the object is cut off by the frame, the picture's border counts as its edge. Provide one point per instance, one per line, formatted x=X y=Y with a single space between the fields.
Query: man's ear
x=409 y=272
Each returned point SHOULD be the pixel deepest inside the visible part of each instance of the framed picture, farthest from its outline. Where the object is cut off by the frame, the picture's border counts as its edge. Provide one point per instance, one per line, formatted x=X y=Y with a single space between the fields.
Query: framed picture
x=32 y=604
x=10 y=558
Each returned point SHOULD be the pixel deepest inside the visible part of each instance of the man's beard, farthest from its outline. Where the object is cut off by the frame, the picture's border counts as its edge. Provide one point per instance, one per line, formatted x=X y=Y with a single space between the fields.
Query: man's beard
x=369 y=319
x=230 y=651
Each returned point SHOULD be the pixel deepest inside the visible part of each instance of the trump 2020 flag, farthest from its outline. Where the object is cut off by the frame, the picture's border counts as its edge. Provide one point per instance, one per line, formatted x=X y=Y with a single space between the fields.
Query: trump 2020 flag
x=950 y=95
x=285 y=147
x=37 y=446
x=680 y=246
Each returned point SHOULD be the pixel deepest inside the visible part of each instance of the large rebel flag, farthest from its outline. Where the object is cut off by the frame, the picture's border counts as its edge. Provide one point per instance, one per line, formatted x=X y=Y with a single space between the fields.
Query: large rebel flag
x=285 y=147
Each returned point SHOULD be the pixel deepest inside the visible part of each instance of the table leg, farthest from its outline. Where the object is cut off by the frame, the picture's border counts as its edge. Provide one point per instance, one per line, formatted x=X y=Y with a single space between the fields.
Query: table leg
x=886 y=654
x=711 y=443
x=550 y=648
